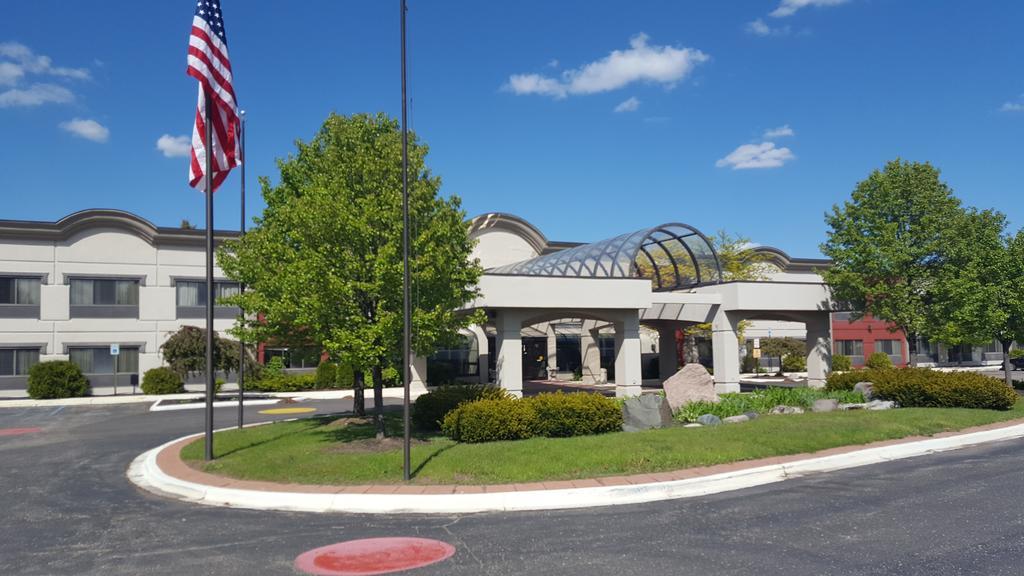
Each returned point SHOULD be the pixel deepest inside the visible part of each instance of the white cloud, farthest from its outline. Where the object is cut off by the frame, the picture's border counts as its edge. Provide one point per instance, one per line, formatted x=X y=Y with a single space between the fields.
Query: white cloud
x=553 y=63
x=790 y=7
x=780 y=132
x=88 y=129
x=174 y=146
x=1017 y=106
x=23 y=57
x=36 y=95
x=629 y=105
x=759 y=28
x=664 y=65
x=763 y=155
x=10 y=74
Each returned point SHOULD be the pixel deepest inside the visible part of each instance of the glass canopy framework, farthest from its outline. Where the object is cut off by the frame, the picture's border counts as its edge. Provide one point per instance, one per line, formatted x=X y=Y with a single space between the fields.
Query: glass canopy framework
x=672 y=256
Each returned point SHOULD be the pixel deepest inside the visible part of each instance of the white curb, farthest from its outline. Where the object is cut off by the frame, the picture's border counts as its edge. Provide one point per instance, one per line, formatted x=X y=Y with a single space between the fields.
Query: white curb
x=145 y=472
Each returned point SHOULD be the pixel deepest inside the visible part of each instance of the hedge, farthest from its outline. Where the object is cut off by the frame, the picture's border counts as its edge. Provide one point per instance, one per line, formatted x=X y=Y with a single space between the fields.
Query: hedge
x=551 y=415
x=878 y=361
x=282 y=382
x=841 y=363
x=491 y=419
x=578 y=414
x=161 y=380
x=331 y=376
x=922 y=387
x=58 y=379
x=430 y=409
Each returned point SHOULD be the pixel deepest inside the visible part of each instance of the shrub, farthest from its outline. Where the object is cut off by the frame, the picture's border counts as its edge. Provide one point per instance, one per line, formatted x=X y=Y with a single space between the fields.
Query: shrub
x=59 y=379
x=920 y=387
x=161 y=380
x=489 y=420
x=577 y=414
x=794 y=363
x=879 y=361
x=283 y=382
x=430 y=409
x=762 y=401
x=326 y=375
x=1016 y=353
x=847 y=380
x=749 y=364
x=841 y=363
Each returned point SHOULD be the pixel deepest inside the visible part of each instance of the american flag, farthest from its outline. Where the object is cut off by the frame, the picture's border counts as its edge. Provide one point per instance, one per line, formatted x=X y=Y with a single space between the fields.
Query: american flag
x=208 y=63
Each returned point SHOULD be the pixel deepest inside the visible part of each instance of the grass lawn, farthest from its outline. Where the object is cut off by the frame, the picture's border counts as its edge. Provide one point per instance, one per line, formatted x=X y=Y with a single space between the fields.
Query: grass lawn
x=312 y=451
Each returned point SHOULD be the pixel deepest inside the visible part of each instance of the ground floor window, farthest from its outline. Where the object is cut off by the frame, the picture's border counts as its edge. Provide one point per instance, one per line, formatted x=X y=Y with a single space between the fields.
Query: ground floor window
x=460 y=361
x=17 y=361
x=892 y=348
x=568 y=352
x=306 y=357
x=854 y=349
x=97 y=360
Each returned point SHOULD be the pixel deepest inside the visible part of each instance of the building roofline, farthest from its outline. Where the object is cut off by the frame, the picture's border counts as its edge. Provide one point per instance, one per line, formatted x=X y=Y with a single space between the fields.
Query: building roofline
x=94 y=218
x=783 y=260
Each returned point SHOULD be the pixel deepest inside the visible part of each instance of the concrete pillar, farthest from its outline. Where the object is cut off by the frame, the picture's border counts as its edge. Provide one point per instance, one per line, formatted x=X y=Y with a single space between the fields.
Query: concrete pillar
x=509 y=366
x=484 y=353
x=590 y=352
x=668 y=359
x=819 y=348
x=726 y=350
x=627 y=355
x=418 y=382
x=552 y=347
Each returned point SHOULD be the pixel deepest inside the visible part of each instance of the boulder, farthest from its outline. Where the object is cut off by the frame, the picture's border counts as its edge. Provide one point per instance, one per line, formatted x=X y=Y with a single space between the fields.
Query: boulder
x=787 y=410
x=693 y=425
x=645 y=412
x=709 y=420
x=751 y=415
x=854 y=406
x=867 y=389
x=691 y=384
x=825 y=405
x=881 y=405
x=736 y=419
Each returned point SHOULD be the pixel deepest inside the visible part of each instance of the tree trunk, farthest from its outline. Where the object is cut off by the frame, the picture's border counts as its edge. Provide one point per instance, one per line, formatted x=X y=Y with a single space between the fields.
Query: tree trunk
x=912 y=347
x=358 y=388
x=1007 y=366
x=378 y=401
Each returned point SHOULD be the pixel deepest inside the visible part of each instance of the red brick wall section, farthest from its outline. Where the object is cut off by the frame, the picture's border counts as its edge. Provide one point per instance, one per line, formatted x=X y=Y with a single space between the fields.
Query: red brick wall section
x=869 y=330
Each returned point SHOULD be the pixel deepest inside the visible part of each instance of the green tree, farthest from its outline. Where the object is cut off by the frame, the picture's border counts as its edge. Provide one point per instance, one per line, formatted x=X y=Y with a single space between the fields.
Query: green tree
x=185 y=353
x=888 y=246
x=324 y=261
x=782 y=348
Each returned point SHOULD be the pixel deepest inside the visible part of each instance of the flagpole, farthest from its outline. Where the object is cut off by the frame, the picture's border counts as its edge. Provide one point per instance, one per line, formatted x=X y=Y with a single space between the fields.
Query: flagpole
x=407 y=308
x=241 y=287
x=208 y=119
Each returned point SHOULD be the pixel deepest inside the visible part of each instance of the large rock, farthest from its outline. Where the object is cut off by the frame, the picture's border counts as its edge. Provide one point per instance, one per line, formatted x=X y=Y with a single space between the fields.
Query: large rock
x=825 y=405
x=709 y=420
x=780 y=409
x=691 y=384
x=645 y=412
x=867 y=389
x=736 y=419
x=881 y=405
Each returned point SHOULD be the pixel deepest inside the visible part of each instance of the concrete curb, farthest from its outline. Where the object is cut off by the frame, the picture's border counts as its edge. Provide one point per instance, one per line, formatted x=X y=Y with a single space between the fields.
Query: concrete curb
x=146 y=473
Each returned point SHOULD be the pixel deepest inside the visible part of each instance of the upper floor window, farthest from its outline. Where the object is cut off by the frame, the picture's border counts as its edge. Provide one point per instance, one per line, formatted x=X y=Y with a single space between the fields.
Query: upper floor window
x=23 y=291
x=17 y=361
x=192 y=293
x=104 y=292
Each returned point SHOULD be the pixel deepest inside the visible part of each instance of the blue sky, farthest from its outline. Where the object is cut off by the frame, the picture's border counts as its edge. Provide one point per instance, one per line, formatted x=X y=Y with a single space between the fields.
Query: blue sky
x=750 y=116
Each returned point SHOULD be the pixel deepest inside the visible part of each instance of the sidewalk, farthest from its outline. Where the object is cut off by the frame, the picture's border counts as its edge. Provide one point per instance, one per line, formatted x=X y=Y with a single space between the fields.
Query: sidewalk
x=162 y=471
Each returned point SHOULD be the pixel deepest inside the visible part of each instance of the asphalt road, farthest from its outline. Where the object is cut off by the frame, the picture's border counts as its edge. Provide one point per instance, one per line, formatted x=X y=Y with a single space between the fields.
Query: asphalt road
x=67 y=508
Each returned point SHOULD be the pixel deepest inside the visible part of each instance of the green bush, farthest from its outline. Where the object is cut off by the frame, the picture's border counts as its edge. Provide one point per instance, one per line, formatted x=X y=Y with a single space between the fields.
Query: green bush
x=920 y=387
x=283 y=382
x=161 y=380
x=489 y=420
x=749 y=364
x=59 y=379
x=326 y=375
x=440 y=373
x=847 y=380
x=762 y=401
x=841 y=363
x=1016 y=353
x=578 y=414
x=430 y=409
x=794 y=363
x=878 y=361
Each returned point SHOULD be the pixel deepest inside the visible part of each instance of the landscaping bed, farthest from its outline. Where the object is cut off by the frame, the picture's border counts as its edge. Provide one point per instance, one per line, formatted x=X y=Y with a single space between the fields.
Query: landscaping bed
x=311 y=451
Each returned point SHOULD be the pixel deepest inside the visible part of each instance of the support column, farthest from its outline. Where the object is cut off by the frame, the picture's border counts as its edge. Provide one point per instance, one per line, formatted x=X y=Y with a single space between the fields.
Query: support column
x=590 y=353
x=627 y=356
x=819 y=348
x=668 y=359
x=726 y=350
x=509 y=366
x=418 y=382
x=552 y=348
x=484 y=353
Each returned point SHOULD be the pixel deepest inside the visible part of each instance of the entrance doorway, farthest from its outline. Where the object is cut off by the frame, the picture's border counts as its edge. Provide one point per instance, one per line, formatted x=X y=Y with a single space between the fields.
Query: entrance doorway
x=535 y=358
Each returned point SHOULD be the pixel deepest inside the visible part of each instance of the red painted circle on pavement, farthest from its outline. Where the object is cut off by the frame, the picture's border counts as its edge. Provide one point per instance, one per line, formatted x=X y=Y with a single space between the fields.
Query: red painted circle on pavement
x=18 y=431
x=373 y=556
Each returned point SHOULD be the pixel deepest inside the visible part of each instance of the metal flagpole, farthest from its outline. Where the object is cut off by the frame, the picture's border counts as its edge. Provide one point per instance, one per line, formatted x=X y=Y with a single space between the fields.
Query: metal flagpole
x=241 y=287
x=407 y=308
x=207 y=105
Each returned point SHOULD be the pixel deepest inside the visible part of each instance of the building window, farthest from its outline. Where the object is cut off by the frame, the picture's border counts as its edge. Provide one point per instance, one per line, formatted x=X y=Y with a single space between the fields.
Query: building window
x=104 y=292
x=23 y=291
x=462 y=361
x=17 y=361
x=96 y=360
x=293 y=357
x=850 y=347
x=892 y=348
x=192 y=293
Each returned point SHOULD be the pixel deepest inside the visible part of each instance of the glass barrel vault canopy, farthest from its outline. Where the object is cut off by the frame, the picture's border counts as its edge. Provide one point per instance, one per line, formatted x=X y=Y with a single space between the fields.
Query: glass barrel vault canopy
x=672 y=256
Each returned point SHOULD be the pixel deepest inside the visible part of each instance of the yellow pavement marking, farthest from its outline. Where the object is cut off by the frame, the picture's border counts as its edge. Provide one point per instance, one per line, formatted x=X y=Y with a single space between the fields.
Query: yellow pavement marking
x=287 y=410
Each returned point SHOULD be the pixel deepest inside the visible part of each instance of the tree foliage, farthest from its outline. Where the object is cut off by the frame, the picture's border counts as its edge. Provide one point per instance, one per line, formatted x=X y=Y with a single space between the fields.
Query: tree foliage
x=323 y=263
x=889 y=244
x=739 y=258
x=185 y=353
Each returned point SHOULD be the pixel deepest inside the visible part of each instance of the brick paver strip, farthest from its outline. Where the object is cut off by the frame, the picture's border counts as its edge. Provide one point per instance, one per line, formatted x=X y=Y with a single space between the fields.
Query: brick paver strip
x=169 y=460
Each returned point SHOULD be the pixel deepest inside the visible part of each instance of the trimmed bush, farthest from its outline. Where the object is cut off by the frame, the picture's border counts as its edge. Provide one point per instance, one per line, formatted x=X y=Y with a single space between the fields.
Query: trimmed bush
x=794 y=363
x=837 y=381
x=561 y=415
x=841 y=363
x=59 y=379
x=161 y=380
x=878 y=361
x=282 y=382
x=490 y=420
x=326 y=375
x=920 y=387
x=430 y=409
